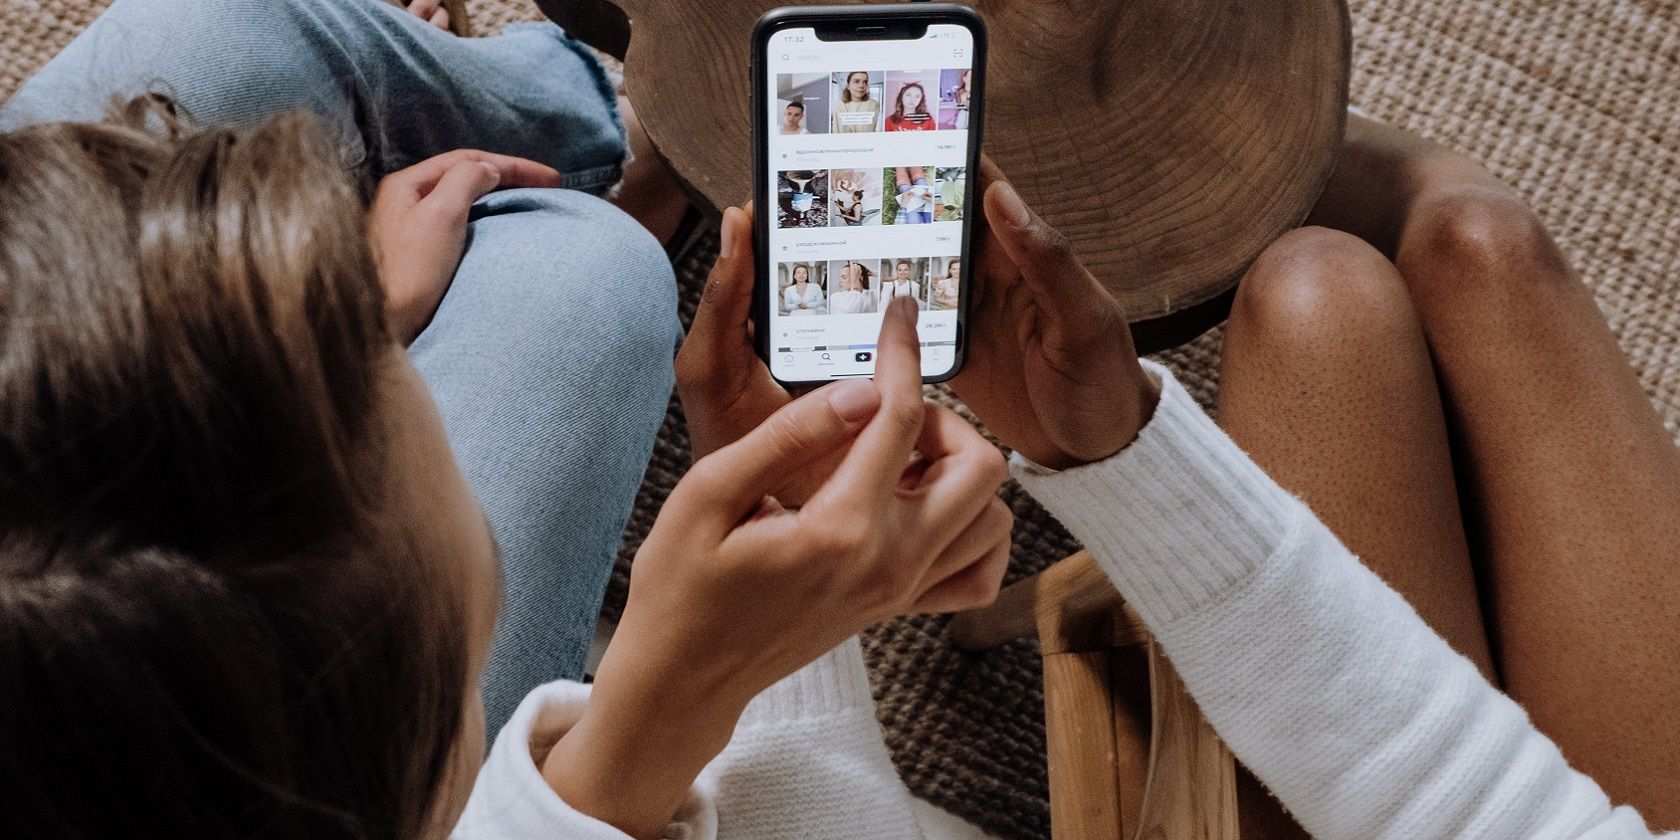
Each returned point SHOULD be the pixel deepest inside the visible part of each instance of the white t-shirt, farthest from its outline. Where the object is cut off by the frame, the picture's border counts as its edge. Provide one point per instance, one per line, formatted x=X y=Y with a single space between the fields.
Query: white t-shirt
x=849 y=302
x=907 y=289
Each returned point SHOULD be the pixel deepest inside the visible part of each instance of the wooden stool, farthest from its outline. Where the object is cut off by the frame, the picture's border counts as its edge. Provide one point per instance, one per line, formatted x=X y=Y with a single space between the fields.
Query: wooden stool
x=1112 y=777
x=1171 y=140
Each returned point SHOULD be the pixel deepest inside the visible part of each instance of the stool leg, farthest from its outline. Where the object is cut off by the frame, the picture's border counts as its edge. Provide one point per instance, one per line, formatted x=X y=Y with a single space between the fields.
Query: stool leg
x=1079 y=735
x=1192 y=790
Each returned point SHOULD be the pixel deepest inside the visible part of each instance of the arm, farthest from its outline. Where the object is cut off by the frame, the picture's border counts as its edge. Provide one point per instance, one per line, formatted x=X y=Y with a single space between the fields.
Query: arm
x=686 y=676
x=1324 y=681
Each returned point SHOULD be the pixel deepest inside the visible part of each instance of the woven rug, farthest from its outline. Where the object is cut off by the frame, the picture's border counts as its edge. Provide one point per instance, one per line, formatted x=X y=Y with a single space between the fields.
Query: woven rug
x=1575 y=102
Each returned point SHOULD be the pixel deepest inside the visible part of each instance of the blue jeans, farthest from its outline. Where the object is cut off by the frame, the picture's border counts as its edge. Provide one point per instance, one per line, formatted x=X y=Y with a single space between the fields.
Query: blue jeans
x=550 y=357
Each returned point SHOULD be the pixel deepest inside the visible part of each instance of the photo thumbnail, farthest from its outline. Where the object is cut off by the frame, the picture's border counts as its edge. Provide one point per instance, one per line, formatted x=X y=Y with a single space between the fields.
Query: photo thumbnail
x=854 y=104
x=950 y=186
x=954 y=86
x=856 y=286
x=856 y=197
x=904 y=277
x=947 y=283
x=802 y=198
x=908 y=195
x=802 y=288
x=910 y=100
x=802 y=103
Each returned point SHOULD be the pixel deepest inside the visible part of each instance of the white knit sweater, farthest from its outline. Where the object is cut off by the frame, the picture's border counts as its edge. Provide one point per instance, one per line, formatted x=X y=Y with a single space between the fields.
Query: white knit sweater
x=1326 y=683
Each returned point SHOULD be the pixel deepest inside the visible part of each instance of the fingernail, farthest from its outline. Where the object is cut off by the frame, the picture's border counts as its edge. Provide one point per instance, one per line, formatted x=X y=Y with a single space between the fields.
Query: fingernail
x=1014 y=209
x=904 y=309
x=854 y=400
x=728 y=245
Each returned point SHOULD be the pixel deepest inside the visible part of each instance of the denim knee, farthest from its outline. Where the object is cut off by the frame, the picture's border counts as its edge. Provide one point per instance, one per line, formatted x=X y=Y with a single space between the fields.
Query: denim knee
x=571 y=280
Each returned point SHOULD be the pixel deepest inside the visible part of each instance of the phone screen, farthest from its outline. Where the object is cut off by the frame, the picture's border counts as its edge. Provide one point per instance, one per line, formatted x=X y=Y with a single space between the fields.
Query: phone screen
x=868 y=182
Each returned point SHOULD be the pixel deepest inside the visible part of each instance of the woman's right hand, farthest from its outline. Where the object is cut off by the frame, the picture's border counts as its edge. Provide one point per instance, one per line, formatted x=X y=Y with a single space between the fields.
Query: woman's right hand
x=731 y=592
x=418 y=226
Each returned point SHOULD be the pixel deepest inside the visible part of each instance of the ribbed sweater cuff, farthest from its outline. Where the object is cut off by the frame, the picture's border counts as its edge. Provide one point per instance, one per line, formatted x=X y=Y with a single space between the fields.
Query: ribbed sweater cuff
x=834 y=683
x=1177 y=517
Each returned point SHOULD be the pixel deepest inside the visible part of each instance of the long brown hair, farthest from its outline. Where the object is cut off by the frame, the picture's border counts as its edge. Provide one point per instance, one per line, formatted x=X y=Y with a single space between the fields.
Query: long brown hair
x=206 y=627
x=921 y=107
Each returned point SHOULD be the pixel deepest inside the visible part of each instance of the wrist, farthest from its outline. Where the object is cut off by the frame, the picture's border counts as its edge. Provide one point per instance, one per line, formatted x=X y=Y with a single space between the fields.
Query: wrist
x=632 y=758
x=1116 y=429
x=402 y=322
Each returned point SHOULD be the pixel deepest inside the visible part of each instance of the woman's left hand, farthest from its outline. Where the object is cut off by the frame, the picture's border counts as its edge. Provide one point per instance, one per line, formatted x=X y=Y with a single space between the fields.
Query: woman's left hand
x=418 y=226
x=726 y=389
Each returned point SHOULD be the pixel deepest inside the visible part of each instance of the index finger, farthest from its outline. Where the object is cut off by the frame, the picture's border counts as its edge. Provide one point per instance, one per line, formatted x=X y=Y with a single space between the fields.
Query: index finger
x=868 y=477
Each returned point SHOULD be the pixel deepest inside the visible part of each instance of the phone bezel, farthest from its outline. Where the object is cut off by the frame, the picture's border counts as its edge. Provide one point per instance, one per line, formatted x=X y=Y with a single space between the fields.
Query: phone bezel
x=783 y=18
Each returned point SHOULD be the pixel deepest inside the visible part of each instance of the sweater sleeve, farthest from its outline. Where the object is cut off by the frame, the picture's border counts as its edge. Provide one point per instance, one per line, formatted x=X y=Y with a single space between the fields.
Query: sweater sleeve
x=511 y=800
x=807 y=760
x=1321 y=678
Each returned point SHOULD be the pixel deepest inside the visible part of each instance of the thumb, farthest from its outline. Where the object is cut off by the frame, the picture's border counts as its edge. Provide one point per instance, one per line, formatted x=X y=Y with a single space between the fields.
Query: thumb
x=735 y=479
x=1058 y=281
x=720 y=320
x=464 y=183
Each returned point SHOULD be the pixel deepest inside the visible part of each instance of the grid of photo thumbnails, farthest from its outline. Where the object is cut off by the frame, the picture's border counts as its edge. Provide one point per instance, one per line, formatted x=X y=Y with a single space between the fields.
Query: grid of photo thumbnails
x=859 y=287
x=863 y=101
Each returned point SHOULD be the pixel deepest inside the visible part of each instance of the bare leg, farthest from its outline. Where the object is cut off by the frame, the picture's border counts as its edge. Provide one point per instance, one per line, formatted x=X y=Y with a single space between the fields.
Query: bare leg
x=1570 y=484
x=1574 y=484
x=1327 y=383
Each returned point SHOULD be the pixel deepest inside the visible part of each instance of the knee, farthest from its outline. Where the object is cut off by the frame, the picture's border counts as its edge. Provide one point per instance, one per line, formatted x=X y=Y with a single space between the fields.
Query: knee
x=251 y=21
x=1479 y=238
x=635 y=286
x=1316 y=286
x=579 y=267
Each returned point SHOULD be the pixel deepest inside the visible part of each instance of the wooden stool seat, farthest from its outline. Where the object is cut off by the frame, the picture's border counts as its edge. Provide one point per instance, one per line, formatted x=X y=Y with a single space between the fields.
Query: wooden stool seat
x=1171 y=140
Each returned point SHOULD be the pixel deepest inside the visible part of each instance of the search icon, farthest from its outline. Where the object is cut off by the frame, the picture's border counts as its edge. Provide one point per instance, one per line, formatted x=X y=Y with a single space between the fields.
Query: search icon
x=825 y=357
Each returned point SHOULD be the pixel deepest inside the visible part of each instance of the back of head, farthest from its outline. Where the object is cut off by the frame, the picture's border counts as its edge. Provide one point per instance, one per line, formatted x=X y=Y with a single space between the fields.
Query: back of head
x=206 y=627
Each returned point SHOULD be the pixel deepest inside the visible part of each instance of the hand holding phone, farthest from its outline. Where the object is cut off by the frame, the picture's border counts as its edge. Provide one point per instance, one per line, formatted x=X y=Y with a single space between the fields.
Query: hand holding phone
x=867 y=201
x=908 y=521
x=725 y=387
x=1051 y=369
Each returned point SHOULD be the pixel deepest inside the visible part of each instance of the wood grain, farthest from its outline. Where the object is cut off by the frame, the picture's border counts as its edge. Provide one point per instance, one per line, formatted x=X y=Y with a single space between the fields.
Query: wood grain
x=1192 y=789
x=1171 y=140
x=1080 y=744
x=1129 y=758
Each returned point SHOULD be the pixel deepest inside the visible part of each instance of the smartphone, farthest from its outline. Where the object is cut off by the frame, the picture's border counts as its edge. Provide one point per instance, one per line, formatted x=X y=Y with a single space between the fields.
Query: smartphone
x=866 y=128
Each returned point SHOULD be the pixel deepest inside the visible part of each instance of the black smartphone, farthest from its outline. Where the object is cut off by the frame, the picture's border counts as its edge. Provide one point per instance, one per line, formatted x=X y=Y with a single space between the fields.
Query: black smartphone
x=866 y=127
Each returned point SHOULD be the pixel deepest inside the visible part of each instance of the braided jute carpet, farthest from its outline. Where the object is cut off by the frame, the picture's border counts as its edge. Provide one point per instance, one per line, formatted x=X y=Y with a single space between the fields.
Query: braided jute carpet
x=1575 y=102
